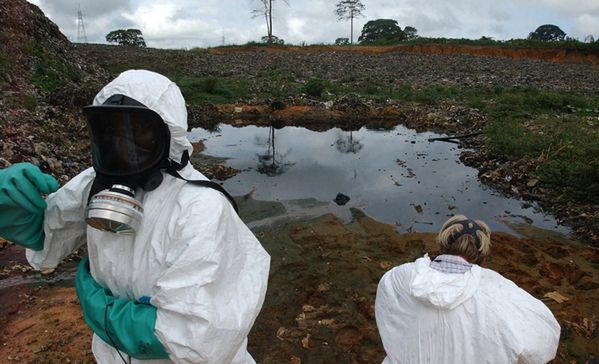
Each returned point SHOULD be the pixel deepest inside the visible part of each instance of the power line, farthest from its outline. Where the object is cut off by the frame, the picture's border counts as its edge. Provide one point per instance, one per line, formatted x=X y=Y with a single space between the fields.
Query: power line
x=81 y=37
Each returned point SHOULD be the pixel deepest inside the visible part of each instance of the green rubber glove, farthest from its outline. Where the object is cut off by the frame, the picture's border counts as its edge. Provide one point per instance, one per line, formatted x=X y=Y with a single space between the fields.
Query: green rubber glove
x=22 y=206
x=122 y=323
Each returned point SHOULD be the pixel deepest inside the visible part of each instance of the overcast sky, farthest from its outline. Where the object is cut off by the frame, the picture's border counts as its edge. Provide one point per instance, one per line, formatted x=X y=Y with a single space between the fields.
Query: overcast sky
x=188 y=24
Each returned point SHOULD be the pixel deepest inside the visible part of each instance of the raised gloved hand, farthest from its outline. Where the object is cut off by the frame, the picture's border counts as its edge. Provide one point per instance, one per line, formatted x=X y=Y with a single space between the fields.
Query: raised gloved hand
x=22 y=205
x=122 y=323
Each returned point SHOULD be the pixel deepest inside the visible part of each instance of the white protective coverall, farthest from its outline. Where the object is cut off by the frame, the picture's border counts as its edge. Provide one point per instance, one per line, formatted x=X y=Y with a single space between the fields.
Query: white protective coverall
x=202 y=267
x=427 y=316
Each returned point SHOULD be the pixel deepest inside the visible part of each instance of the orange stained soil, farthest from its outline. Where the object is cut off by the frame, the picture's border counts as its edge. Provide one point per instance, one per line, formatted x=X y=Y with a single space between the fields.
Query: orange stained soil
x=559 y=55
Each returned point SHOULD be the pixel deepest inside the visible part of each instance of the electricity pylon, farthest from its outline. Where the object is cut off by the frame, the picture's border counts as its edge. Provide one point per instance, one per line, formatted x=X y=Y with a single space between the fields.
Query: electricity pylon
x=81 y=37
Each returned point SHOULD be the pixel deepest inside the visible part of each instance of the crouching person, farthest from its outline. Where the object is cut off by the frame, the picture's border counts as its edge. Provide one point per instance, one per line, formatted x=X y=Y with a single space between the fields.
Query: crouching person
x=451 y=310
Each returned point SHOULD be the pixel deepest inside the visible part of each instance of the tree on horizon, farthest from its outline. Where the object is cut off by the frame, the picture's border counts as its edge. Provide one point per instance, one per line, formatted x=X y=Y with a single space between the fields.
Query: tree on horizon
x=266 y=11
x=348 y=10
x=547 y=33
x=381 y=30
x=127 y=37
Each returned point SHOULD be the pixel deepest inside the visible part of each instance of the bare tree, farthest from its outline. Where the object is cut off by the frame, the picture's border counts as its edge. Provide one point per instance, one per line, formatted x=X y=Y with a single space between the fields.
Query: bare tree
x=348 y=10
x=265 y=9
x=347 y=144
x=272 y=163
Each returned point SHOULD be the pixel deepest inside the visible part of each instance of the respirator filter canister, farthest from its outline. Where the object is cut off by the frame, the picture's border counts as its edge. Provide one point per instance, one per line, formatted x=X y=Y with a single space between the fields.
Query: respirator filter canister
x=115 y=210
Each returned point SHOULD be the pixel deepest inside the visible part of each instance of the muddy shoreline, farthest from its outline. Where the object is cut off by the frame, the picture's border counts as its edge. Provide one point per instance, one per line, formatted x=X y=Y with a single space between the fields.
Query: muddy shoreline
x=320 y=302
x=511 y=178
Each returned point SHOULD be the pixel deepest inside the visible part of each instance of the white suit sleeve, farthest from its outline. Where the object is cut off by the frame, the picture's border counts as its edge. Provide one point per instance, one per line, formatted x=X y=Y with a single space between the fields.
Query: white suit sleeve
x=64 y=222
x=391 y=309
x=538 y=331
x=214 y=287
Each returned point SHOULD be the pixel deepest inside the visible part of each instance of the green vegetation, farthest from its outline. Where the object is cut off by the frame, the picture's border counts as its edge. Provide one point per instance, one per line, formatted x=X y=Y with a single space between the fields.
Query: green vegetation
x=50 y=74
x=548 y=33
x=6 y=65
x=7 y=62
x=314 y=87
x=381 y=30
x=568 y=44
x=560 y=131
x=211 y=89
x=127 y=37
x=50 y=71
x=413 y=39
x=557 y=131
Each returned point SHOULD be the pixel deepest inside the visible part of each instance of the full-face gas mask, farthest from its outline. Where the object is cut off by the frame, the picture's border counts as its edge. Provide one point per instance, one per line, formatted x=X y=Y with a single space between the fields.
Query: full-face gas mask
x=130 y=147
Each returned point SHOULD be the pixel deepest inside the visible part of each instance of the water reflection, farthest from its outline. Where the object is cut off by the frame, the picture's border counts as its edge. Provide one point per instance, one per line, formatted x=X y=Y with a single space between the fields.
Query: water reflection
x=395 y=176
x=271 y=162
x=347 y=144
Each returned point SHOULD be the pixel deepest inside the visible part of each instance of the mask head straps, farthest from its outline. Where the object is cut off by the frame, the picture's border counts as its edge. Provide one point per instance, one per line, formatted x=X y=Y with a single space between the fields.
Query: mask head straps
x=469 y=227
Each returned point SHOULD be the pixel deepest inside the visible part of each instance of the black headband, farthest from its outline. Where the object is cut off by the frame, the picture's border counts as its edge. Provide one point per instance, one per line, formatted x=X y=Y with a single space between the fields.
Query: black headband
x=466 y=230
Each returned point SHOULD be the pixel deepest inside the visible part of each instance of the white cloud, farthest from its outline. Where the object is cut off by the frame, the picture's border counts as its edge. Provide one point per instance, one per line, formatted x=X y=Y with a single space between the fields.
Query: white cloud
x=186 y=23
x=586 y=24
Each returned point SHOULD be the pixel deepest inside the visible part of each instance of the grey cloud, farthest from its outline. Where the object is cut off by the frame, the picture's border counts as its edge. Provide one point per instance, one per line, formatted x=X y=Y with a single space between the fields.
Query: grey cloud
x=205 y=21
x=91 y=8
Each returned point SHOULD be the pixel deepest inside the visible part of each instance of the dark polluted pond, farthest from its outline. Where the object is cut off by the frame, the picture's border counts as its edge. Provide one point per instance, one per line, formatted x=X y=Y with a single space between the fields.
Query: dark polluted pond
x=395 y=176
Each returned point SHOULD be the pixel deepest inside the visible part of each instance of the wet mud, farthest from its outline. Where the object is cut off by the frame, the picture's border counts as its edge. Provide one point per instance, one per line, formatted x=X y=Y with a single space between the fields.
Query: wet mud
x=319 y=306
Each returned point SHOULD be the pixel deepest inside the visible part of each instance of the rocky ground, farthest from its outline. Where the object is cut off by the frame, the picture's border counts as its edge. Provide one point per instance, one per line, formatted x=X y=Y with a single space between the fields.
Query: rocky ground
x=362 y=66
x=324 y=272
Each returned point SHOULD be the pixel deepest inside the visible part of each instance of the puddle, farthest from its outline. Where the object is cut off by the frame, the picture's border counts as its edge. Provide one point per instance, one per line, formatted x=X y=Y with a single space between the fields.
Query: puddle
x=395 y=176
x=16 y=272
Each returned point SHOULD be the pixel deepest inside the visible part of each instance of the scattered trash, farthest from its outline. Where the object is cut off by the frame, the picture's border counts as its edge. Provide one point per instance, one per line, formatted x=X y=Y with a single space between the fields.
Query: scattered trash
x=323 y=287
x=556 y=296
x=306 y=342
x=385 y=265
x=47 y=271
x=587 y=328
x=341 y=199
x=418 y=209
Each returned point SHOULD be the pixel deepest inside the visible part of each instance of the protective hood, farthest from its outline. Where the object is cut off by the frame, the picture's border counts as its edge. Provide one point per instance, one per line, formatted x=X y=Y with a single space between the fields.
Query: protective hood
x=442 y=290
x=160 y=95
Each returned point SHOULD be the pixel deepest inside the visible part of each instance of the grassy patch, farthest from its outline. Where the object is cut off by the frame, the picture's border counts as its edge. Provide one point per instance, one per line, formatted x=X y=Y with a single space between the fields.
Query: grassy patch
x=50 y=74
x=314 y=87
x=558 y=130
x=211 y=89
x=50 y=71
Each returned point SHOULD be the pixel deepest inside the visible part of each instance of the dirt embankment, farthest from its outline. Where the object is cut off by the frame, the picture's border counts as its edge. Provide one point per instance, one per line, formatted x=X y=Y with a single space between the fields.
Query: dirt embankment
x=548 y=54
x=558 y=55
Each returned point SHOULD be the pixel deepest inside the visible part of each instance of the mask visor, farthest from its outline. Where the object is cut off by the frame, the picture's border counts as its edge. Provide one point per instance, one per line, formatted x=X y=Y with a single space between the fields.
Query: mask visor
x=126 y=140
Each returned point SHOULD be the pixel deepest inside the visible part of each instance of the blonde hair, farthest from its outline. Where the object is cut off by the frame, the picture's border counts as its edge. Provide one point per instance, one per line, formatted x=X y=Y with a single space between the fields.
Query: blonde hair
x=452 y=242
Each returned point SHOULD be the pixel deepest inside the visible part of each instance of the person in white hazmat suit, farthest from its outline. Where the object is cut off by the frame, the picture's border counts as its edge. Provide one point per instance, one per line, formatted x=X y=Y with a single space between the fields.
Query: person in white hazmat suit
x=451 y=310
x=173 y=274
